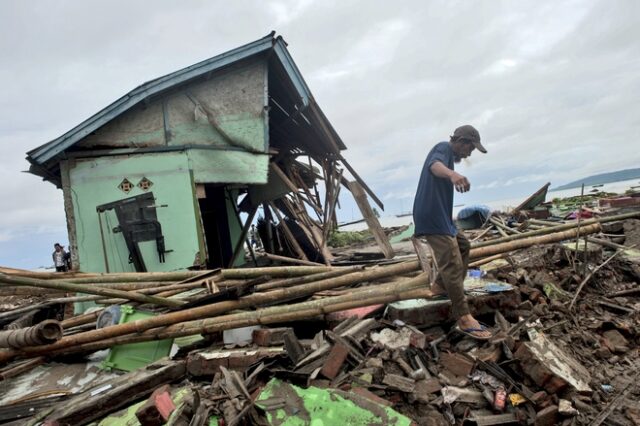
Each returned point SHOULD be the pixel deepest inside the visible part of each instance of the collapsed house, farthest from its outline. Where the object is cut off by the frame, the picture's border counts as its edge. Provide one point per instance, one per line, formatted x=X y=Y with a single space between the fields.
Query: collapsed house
x=172 y=174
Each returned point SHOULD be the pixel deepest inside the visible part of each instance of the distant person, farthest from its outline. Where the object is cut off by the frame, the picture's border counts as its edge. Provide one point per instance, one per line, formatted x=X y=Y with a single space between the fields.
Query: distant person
x=59 y=258
x=255 y=237
x=433 y=218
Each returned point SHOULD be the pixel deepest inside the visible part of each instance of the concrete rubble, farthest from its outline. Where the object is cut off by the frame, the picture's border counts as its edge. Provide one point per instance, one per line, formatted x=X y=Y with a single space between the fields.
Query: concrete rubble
x=564 y=349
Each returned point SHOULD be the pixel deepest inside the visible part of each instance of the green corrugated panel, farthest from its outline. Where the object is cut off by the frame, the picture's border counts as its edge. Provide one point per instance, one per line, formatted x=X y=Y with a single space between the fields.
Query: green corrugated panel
x=132 y=356
x=317 y=406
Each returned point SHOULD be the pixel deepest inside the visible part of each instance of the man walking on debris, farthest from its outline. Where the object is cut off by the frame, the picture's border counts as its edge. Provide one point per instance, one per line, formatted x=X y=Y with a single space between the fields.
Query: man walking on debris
x=432 y=216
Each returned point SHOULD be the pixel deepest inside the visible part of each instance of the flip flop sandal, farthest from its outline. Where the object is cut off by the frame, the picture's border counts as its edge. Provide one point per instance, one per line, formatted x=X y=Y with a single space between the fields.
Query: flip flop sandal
x=439 y=297
x=469 y=332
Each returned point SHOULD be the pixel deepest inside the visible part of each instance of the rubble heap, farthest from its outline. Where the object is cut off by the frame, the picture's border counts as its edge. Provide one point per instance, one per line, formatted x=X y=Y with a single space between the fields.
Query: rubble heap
x=357 y=344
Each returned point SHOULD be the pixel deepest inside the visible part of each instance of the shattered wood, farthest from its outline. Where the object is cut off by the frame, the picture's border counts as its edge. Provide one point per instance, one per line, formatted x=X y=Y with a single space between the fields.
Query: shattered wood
x=553 y=365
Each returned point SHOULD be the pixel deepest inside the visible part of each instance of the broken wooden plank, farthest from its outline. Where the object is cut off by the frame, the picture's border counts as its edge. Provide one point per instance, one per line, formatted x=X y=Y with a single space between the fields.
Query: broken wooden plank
x=371 y=219
x=289 y=234
x=107 y=398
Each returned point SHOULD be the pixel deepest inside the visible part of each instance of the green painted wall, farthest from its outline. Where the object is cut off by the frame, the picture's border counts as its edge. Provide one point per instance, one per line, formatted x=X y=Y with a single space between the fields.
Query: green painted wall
x=233 y=100
x=95 y=182
x=217 y=166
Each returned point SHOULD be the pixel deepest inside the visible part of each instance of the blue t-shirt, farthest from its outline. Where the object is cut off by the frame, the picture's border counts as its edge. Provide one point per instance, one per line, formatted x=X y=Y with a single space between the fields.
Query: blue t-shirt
x=433 y=205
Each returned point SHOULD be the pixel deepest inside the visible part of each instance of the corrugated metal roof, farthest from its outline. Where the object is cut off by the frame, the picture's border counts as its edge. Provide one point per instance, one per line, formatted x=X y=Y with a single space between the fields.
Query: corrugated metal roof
x=47 y=152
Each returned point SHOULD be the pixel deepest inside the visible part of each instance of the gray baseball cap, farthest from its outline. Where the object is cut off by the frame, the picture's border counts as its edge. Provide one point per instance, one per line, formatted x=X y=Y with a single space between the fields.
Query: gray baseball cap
x=470 y=133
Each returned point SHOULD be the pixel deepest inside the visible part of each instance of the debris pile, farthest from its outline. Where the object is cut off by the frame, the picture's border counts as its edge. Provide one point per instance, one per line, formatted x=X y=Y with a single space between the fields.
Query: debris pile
x=356 y=344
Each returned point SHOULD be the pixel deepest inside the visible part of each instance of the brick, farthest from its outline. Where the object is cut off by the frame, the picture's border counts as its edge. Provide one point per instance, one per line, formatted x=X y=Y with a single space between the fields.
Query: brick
x=336 y=358
x=208 y=362
x=361 y=312
x=400 y=383
x=551 y=368
x=372 y=396
x=198 y=365
x=429 y=312
x=418 y=340
x=157 y=409
x=539 y=397
x=269 y=336
x=566 y=409
x=428 y=386
x=603 y=352
x=547 y=417
x=241 y=361
x=615 y=341
x=433 y=333
x=456 y=363
x=292 y=345
x=491 y=353
x=374 y=363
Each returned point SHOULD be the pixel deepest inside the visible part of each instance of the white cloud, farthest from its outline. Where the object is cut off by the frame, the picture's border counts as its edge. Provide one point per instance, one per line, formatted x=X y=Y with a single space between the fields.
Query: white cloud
x=375 y=48
x=502 y=66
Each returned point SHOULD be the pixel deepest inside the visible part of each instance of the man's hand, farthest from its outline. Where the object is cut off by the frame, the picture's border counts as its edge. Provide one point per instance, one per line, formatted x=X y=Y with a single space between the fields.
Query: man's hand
x=460 y=183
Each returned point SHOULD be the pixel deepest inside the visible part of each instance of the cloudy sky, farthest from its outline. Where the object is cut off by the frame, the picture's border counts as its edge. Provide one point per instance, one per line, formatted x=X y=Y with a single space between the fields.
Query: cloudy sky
x=553 y=87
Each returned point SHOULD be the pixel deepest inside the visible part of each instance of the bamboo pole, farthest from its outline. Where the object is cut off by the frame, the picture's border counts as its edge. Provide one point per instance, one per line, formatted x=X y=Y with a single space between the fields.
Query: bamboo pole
x=44 y=275
x=307 y=278
x=536 y=227
x=482 y=234
x=81 y=319
x=486 y=260
x=37 y=306
x=134 y=280
x=478 y=252
x=164 y=291
x=383 y=293
x=133 y=277
x=503 y=227
x=273 y=271
x=79 y=288
x=127 y=286
x=48 y=331
x=545 y=222
x=606 y=243
x=214 y=309
x=20 y=368
x=286 y=259
x=553 y=229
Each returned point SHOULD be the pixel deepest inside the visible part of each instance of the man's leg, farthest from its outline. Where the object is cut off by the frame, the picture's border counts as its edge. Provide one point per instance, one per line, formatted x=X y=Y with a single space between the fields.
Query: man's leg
x=426 y=259
x=452 y=260
x=450 y=271
x=465 y=247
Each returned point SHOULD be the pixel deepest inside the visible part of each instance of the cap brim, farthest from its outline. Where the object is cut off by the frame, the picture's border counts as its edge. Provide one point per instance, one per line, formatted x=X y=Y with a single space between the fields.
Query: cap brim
x=479 y=147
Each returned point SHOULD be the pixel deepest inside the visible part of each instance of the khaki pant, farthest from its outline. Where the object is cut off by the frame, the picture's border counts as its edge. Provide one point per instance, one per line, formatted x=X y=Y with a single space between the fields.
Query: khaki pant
x=451 y=255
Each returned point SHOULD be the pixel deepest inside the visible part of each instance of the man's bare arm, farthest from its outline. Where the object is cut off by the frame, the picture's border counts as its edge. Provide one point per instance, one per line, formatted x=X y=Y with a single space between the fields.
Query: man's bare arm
x=460 y=183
